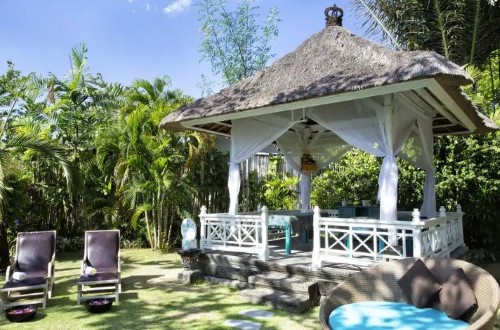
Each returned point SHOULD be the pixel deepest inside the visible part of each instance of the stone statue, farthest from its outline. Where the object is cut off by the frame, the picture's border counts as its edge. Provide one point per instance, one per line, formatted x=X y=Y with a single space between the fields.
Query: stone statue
x=188 y=232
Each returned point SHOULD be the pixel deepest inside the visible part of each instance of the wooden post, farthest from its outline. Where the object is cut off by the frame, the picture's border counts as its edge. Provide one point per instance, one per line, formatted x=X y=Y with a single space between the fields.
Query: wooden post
x=460 y=224
x=264 y=252
x=417 y=244
x=444 y=231
x=316 y=262
x=203 y=235
x=442 y=212
x=415 y=216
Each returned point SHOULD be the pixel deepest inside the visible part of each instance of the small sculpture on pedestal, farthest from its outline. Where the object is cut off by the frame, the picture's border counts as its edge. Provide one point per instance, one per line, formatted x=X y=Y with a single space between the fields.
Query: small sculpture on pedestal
x=189 y=252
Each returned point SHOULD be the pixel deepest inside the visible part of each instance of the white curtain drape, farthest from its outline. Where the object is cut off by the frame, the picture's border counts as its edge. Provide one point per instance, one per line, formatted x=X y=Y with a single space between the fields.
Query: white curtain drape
x=427 y=137
x=376 y=127
x=249 y=136
x=325 y=149
x=419 y=151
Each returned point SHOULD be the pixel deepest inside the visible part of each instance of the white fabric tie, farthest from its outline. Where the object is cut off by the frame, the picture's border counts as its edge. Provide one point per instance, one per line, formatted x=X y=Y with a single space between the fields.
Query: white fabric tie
x=90 y=271
x=19 y=276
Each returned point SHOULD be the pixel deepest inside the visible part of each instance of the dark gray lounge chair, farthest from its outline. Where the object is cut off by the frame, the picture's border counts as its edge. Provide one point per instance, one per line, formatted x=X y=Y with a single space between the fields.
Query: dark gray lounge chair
x=102 y=252
x=35 y=256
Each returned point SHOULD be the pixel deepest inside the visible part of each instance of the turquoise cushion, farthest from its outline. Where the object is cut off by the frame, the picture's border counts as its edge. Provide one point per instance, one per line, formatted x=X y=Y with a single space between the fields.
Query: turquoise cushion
x=391 y=315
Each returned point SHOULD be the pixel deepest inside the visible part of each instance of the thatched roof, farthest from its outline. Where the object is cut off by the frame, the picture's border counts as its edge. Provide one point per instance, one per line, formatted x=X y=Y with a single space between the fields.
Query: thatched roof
x=333 y=61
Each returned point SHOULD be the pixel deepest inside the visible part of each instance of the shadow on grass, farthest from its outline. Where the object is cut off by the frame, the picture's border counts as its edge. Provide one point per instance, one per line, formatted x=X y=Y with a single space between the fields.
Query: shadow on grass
x=151 y=298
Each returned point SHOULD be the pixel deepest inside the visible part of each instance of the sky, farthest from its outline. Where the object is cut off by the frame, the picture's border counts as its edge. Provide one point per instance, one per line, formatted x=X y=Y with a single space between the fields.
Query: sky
x=130 y=39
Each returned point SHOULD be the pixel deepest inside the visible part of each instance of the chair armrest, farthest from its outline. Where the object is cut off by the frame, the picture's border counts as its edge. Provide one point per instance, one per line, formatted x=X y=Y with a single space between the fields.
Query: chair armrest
x=50 y=270
x=83 y=266
x=10 y=271
x=119 y=262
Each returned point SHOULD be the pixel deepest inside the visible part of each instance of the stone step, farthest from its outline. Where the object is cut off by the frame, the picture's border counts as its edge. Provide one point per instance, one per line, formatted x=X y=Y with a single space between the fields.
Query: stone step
x=291 y=302
x=284 y=282
x=227 y=271
x=240 y=285
x=335 y=273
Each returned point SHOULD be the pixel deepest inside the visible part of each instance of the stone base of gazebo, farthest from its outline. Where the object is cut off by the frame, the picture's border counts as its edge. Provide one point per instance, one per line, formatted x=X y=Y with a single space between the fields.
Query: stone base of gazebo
x=284 y=281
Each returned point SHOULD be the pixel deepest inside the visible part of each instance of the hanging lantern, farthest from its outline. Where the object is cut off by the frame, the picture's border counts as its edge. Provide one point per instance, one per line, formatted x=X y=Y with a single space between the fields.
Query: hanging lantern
x=308 y=164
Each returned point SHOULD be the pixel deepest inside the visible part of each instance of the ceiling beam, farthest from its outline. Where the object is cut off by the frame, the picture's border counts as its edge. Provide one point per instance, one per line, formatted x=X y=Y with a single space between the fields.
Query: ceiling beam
x=422 y=93
x=204 y=130
x=450 y=103
x=223 y=123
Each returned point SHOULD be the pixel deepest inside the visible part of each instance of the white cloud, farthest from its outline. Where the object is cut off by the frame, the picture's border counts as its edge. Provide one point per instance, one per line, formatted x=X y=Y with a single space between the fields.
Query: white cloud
x=130 y=1
x=177 y=6
x=148 y=7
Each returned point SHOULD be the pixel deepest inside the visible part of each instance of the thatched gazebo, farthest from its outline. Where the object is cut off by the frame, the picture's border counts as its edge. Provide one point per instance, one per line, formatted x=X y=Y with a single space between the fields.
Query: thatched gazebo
x=338 y=90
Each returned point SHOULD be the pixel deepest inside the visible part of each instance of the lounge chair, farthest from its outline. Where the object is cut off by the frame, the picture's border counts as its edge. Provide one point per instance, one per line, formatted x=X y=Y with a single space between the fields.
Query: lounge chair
x=101 y=252
x=35 y=259
x=379 y=284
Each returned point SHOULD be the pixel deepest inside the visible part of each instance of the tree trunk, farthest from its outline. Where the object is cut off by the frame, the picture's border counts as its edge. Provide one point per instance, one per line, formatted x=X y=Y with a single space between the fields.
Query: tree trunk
x=148 y=230
x=4 y=248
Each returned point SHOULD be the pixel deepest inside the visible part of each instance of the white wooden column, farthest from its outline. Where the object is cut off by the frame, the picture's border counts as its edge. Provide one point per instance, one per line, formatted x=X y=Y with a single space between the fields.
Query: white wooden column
x=417 y=244
x=444 y=232
x=264 y=252
x=460 y=224
x=316 y=262
x=203 y=234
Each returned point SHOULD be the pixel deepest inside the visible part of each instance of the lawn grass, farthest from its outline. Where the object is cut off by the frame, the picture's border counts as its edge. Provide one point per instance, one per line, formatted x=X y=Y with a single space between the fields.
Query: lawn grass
x=152 y=299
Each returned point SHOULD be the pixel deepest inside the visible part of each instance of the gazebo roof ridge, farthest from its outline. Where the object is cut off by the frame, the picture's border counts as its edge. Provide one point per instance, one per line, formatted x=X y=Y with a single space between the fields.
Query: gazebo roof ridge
x=332 y=61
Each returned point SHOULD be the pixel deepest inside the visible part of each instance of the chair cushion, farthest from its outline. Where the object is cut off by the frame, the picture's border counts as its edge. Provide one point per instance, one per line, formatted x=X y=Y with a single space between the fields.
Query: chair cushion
x=98 y=277
x=419 y=285
x=33 y=281
x=102 y=249
x=456 y=295
x=35 y=251
x=374 y=315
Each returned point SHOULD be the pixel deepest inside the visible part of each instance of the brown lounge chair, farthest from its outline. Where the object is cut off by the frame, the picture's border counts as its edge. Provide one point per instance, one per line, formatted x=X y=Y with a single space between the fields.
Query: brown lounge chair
x=379 y=284
x=35 y=256
x=102 y=252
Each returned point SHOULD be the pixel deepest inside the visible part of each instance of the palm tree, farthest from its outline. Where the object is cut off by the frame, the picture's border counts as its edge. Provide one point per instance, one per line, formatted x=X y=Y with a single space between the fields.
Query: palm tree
x=21 y=137
x=143 y=162
x=464 y=31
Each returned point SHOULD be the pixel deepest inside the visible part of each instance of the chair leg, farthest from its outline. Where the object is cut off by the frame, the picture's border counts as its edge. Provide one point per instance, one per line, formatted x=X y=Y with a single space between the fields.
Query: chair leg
x=5 y=298
x=45 y=293
x=51 y=285
x=117 y=292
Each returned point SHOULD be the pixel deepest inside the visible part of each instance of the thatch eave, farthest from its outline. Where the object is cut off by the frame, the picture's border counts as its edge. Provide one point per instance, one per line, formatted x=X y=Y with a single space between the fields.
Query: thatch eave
x=331 y=62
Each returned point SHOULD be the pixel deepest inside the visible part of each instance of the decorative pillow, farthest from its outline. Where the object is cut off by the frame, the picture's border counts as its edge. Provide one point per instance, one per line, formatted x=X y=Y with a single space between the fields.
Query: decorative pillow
x=456 y=296
x=419 y=285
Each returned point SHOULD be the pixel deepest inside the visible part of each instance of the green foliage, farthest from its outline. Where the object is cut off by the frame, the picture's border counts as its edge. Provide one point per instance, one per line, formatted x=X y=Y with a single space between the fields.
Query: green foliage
x=460 y=30
x=485 y=91
x=72 y=244
x=80 y=154
x=234 y=43
x=280 y=193
x=354 y=178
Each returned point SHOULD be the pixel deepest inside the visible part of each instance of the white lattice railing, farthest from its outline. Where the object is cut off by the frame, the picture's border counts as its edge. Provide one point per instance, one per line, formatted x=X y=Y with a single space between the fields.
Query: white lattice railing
x=366 y=241
x=235 y=233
